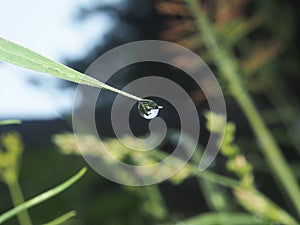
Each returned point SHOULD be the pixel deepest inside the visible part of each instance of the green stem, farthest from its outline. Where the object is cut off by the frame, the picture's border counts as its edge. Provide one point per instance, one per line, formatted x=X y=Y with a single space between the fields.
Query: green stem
x=206 y=175
x=216 y=178
x=62 y=218
x=223 y=218
x=215 y=198
x=42 y=197
x=285 y=107
x=228 y=68
x=9 y=122
x=17 y=198
x=155 y=202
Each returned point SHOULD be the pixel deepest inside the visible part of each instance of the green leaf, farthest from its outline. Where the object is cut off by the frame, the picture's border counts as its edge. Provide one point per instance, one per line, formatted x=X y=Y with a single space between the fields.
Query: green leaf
x=42 y=197
x=223 y=218
x=62 y=219
x=24 y=57
x=8 y=122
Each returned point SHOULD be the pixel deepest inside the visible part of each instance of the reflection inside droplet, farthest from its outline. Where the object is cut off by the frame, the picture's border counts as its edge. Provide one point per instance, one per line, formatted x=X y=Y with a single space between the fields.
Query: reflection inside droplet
x=148 y=109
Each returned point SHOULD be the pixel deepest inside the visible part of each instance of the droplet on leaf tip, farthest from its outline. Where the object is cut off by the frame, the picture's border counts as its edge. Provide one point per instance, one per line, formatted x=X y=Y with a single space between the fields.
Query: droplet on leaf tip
x=148 y=109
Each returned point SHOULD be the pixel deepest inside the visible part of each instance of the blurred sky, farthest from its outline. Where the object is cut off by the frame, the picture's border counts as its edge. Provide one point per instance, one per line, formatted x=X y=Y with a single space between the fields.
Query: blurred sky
x=49 y=28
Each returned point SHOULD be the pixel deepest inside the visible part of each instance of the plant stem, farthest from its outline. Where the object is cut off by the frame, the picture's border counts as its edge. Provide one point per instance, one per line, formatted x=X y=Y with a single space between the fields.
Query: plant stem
x=62 y=218
x=215 y=198
x=216 y=178
x=42 y=197
x=17 y=198
x=206 y=175
x=9 y=122
x=231 y=218
x=229 y=69
x=285 y=106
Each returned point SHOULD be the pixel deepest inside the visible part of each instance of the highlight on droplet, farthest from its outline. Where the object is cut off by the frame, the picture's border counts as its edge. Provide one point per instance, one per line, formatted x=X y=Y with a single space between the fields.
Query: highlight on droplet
x=148 y=109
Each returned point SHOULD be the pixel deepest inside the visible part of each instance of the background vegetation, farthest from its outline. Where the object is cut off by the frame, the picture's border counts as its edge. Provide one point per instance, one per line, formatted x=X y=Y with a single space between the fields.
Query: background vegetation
x=253 y=48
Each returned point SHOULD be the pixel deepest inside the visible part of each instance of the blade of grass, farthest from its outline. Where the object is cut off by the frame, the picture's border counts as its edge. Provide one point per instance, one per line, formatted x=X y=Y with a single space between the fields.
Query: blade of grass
x=18 y=55
x=62 y=219
x=286 y=106
x=215 y=198
x=17 y=197
x=8 y=122
x=228 y=68
x=223 y=218
x=42 y=197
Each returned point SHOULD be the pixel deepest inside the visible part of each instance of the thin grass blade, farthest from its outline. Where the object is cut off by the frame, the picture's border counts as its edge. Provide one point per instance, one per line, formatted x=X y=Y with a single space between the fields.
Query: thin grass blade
x=18 y=55
x=42 y=197
x=62 y=219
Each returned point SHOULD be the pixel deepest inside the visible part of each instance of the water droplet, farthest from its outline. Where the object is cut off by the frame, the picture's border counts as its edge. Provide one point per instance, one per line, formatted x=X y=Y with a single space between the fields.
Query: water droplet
x=148 y=109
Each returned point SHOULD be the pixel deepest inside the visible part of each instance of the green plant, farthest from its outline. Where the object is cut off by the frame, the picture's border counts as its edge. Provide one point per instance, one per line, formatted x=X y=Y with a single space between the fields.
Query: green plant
x=246 y=192
x=21 y=56
x=219 y=32
x=43 y=197
x=231 y=72
x=10 y=158
x=10 y=163
x=217 y=40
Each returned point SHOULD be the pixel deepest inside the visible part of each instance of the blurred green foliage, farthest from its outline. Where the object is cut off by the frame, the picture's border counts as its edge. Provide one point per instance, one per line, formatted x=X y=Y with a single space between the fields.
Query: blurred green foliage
x=10 y=160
